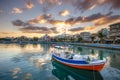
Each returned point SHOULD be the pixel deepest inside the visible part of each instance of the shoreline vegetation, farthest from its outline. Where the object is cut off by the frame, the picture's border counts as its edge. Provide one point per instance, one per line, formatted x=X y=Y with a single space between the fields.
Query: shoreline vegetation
x=97 y=45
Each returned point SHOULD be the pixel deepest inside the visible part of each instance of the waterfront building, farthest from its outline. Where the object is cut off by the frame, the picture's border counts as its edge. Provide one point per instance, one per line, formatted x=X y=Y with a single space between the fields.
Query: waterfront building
x=62 y=36
x=96 y=38
x=86 y=36
x=106 y=34
x=115 y=32
x=75 y=37
x=46 y=38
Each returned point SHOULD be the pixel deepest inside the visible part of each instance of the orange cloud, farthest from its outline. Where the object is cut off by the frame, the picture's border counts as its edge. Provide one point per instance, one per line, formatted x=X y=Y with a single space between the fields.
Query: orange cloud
x=64 y=13
x=79 y=29
x=16 y=10
x=48 y=1
x=92 y=7
x=40 y=19
x=106 y=20
x=97 y=19
x=41 y=1
x=35 y=29
x=29 y=4
x=1 y=11
x=84 y=5
x=90 y=28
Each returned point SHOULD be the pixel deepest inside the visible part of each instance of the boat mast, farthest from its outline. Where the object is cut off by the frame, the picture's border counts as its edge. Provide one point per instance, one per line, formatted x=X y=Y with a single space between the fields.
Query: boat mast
x=65 y=33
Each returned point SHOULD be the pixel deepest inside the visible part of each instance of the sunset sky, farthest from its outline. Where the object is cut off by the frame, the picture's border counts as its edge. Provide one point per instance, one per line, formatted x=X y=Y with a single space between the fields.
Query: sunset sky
x=38 y=17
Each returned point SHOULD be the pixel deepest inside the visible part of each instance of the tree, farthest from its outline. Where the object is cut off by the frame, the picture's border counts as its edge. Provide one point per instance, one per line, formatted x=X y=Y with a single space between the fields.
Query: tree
x=101 y=55
x=101 y=36
x=92 y=38
x=80 y=39
x=35 y=39
x=72 y=39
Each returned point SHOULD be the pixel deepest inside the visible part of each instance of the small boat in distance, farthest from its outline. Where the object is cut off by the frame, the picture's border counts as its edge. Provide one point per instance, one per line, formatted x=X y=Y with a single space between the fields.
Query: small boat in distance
x=78 y=61
x=62 y=47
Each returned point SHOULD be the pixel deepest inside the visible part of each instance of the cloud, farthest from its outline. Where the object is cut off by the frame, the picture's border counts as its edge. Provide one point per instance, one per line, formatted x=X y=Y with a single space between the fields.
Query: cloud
x=90 y=18
x=115 y=4
x=18 y=23
x=27 y=27
x=71 y=21
x=6 y=33
x=81 y=5
x=64 y=13
x=97 y=19
x=84 y=5
x=85 y=28
x=76 y=29
x=90 y=28
x=55 y=2
x=47 y=19
x=96 y=16
x=41 y=1
x=29 y=4
x=50 y=2
x=40 y=19
x=36 y=29
x=1 y=11
x=107 y=20
x=53 y=21
x=16 y=10
x=44 y=16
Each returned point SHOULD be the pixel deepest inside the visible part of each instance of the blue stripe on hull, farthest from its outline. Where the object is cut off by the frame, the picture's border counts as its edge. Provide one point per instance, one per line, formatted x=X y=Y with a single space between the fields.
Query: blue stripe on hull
x=70 y=61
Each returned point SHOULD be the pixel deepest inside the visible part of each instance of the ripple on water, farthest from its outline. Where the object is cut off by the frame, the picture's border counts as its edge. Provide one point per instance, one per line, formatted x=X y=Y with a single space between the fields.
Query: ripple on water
x=110 y=73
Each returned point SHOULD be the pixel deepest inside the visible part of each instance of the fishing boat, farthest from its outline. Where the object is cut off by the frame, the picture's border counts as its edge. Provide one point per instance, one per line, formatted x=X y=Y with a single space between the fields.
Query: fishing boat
x=78 y=61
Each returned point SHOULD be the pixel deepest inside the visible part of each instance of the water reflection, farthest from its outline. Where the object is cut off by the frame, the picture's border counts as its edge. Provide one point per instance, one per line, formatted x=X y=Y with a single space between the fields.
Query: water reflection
x=28 y=76
x=16 y=72
x=63 y=72
x=80 y=49
x=92 y=51
x=100 y=54
x=115 y=60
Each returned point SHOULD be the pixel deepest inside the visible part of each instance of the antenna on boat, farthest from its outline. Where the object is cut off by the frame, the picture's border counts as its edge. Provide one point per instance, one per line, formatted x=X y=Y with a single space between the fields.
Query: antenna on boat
x=64 y=35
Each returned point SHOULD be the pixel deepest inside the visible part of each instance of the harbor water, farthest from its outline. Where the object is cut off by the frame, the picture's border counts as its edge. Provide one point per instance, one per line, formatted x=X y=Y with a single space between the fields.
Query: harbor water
x=33 y=62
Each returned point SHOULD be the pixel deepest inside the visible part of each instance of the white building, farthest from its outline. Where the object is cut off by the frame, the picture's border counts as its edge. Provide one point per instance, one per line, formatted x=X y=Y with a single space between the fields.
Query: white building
x=115 y=32
x=62 y=36
x=97 y=39
x=86 y=36
x=46 y=38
